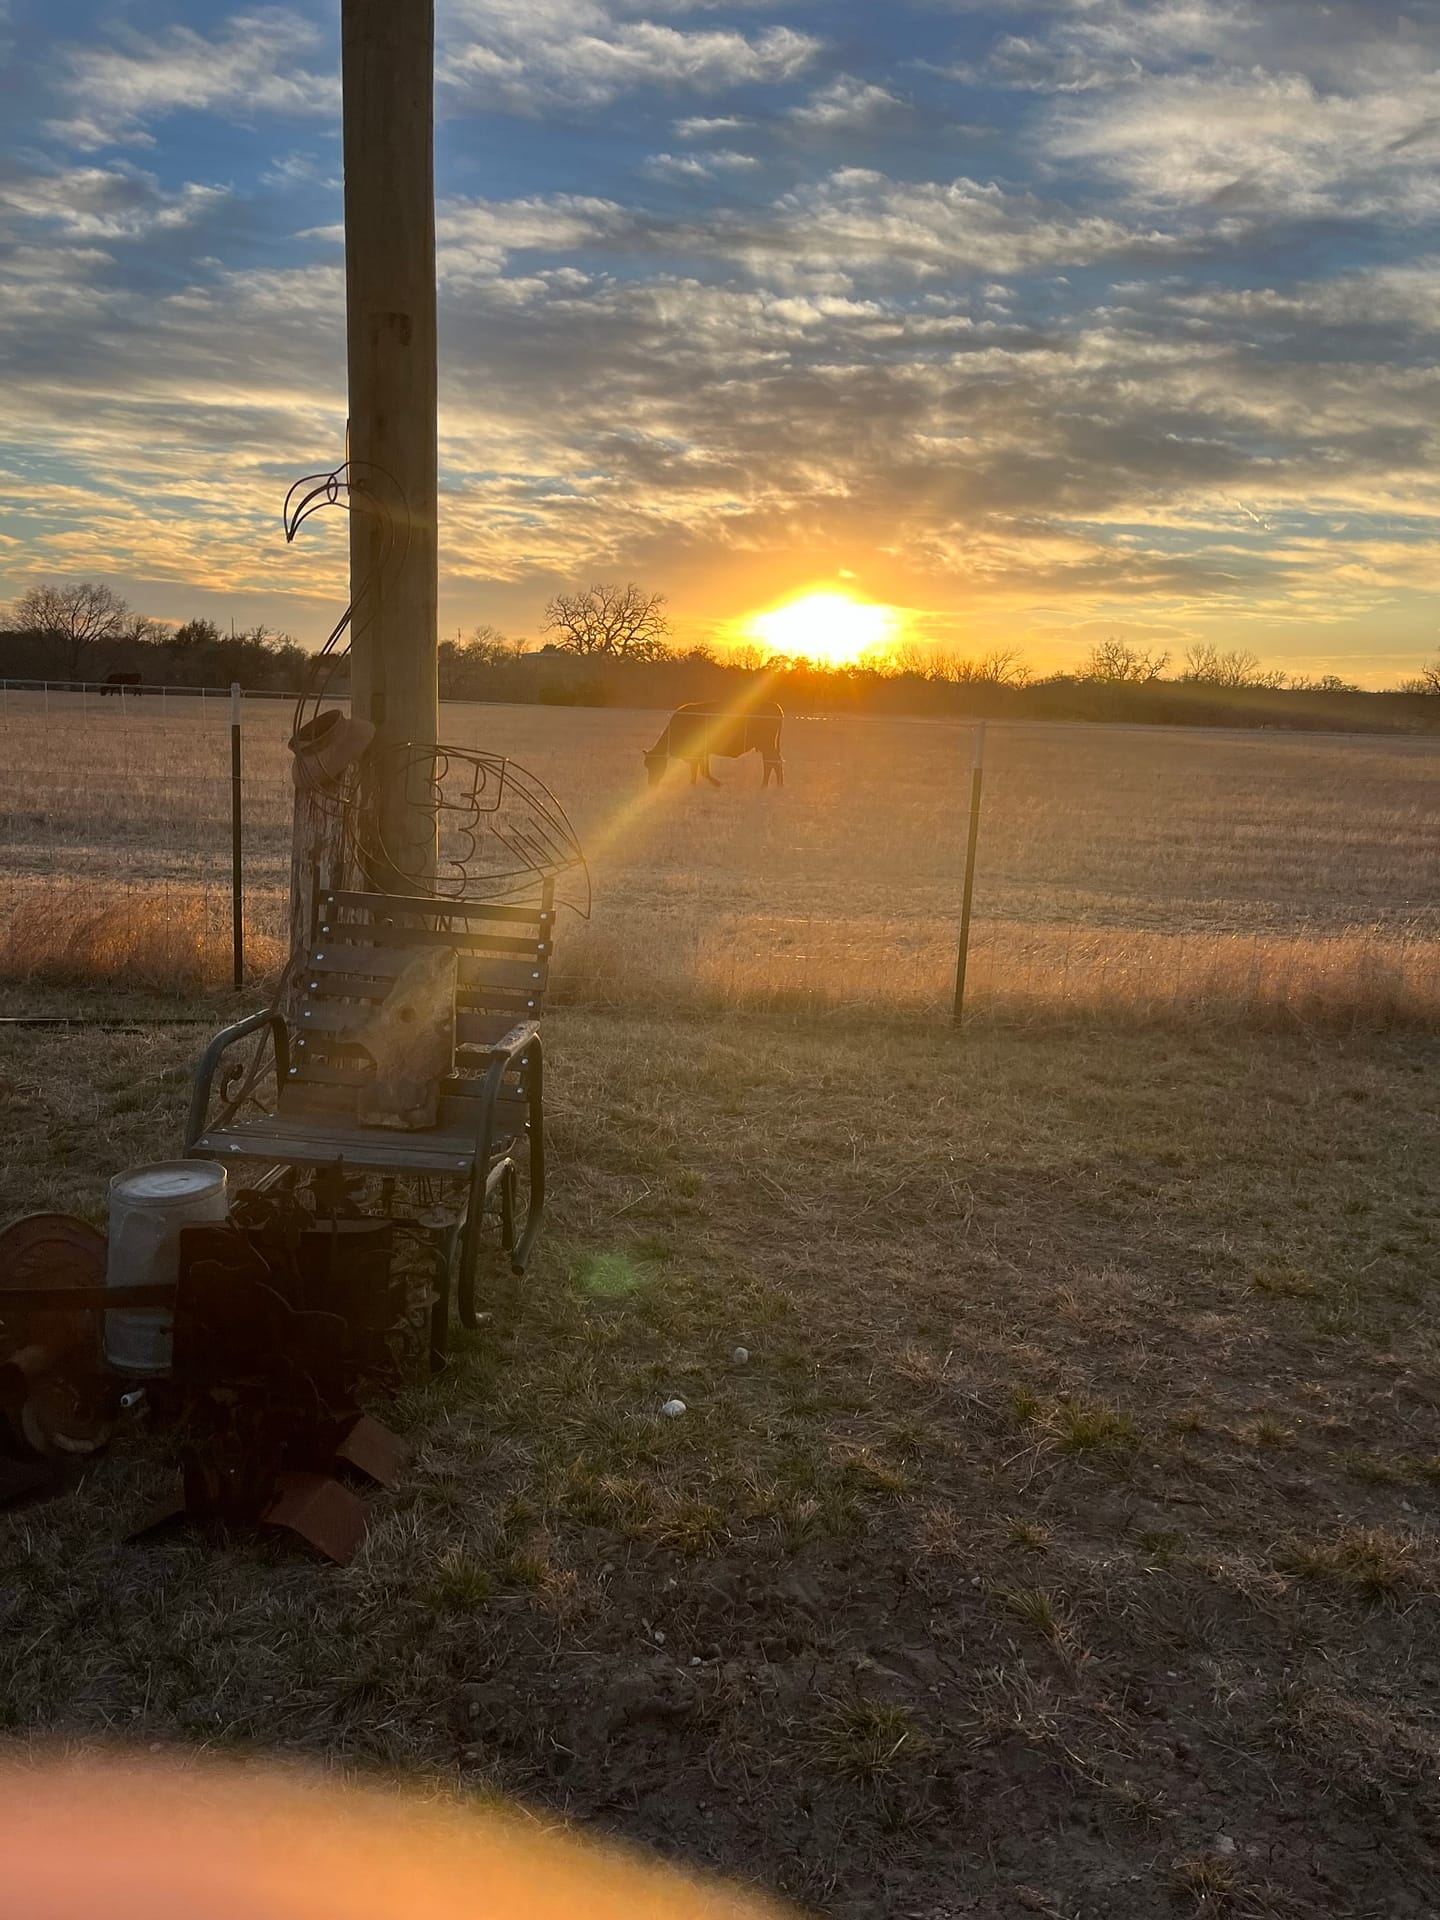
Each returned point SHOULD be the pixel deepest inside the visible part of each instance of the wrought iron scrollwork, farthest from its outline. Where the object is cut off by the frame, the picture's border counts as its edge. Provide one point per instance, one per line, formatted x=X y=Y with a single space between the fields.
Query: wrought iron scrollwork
x=501 y=832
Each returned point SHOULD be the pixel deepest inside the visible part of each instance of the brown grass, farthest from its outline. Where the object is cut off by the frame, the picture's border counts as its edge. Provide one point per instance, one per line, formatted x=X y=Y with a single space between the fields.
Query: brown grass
x=1147 y=875
x=165 y=942
x=970 y=1582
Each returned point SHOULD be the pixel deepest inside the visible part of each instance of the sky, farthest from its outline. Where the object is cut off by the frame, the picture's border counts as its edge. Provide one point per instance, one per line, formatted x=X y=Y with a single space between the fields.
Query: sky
x=1040 y=323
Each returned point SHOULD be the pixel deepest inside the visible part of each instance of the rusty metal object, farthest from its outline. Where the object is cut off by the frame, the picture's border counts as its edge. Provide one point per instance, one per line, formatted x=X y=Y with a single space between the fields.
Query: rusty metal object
x=373 y=1452
x=52 y=1393
x=277 y=1328
x=57 y=1252
x=280 y=1323
x=322 y=1511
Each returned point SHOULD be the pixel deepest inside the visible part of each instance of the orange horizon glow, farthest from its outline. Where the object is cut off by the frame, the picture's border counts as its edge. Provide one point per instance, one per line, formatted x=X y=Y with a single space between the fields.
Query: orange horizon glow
x=829 y=626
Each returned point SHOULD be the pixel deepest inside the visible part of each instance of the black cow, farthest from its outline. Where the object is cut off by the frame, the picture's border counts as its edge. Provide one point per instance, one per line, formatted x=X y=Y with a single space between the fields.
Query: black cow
x=693 y=733
x=113 y=682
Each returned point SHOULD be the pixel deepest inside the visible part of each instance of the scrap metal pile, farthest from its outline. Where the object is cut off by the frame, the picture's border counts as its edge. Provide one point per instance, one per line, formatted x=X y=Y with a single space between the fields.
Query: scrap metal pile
x=283 y=1316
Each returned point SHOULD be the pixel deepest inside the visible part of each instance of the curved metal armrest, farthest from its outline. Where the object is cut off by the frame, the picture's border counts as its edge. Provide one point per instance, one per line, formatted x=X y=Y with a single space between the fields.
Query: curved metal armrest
x=211 y=1058
x=524 y=1039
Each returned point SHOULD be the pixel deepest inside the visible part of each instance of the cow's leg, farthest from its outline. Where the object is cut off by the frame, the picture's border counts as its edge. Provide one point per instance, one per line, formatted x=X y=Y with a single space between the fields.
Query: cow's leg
x=694 y=773
x=708 y=774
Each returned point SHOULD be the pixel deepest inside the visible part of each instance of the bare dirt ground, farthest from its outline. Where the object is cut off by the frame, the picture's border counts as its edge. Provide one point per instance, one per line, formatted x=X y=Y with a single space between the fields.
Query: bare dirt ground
x=1064 y=1545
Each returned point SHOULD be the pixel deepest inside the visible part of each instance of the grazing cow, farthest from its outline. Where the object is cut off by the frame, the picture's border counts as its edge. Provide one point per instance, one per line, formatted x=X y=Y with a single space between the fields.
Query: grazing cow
x=693 y=733
x=113 y=682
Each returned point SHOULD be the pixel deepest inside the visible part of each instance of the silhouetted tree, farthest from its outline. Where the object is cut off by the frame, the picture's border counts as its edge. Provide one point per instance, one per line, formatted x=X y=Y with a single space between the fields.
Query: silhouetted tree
x=70 y=622
x=1115 y=663
x=1426 y=681
x=624 y=622
x=1207 y=665
x=1320 y=683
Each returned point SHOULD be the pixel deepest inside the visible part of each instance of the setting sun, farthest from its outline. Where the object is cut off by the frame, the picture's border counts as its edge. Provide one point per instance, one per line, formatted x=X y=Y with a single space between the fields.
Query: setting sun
x=830 y=628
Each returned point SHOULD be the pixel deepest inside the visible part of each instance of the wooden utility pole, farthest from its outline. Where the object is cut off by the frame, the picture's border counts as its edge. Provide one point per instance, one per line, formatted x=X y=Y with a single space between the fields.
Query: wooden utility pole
x=388 y=70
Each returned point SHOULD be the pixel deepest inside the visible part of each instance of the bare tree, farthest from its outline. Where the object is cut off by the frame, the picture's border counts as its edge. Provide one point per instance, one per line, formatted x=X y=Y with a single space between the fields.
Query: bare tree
x=624 y=622
x=72 y=621
x=1322 y=683
x=1116 y=663
x=1001 y=667
x=1426 y=681
x=1207 y=665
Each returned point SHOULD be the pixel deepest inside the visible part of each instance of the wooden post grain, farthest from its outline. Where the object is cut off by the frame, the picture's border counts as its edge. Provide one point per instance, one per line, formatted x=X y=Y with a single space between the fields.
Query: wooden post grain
x=388 y=65
x=328 y=751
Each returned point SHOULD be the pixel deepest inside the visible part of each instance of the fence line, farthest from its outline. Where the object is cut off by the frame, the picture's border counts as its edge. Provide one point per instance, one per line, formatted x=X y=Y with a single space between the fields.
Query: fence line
x=1189 y=877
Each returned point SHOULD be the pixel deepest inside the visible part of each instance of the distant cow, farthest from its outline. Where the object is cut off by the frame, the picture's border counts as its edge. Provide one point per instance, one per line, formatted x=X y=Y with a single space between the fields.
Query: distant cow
x=693 y=733
x=113 y=682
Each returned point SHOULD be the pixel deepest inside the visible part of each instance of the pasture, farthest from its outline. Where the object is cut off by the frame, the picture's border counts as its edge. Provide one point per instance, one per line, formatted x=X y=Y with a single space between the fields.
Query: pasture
x=1064 y=1543
x=1129 y=873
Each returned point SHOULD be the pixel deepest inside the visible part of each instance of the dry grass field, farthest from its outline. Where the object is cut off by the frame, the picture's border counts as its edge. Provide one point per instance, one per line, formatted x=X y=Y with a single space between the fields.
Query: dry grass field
x=1131 y=873
x=1065 y=1544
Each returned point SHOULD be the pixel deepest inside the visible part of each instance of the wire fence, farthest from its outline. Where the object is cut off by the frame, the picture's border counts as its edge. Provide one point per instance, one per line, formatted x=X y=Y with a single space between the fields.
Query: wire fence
x=1138 y=872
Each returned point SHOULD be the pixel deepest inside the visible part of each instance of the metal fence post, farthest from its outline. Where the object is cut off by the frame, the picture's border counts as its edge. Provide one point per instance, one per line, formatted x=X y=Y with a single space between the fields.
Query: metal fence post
x=977 y=776
x=237 y=887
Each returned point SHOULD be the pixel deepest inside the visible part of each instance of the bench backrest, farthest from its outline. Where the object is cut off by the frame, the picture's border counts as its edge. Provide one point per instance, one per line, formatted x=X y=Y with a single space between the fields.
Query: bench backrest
x=362 y=943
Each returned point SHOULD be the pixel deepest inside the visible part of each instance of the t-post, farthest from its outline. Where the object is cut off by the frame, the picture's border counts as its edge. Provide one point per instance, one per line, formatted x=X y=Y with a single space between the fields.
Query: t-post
x=977 y=778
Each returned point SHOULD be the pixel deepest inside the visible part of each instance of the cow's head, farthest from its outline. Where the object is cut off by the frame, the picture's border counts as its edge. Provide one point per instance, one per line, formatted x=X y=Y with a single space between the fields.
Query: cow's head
x=655 y=763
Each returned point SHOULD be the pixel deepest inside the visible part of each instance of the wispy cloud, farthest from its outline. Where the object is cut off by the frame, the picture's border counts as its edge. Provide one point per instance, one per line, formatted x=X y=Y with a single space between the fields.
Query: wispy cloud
x=99 y=203
x=848 y=105
x=254 y=64
x=699 y=166
x=576 y=54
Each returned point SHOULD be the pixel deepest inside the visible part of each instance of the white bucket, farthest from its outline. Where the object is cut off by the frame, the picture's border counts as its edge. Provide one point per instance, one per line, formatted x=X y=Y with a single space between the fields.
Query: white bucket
x=148 y=1207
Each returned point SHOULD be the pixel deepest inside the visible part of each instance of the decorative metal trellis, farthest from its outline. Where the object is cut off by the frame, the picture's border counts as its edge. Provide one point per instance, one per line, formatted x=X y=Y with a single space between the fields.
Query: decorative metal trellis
x=500 y=831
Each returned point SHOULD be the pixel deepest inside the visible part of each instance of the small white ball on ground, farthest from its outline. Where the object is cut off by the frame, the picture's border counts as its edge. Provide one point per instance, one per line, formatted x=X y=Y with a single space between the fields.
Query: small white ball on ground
x=673 y=1409
x=740 y=1356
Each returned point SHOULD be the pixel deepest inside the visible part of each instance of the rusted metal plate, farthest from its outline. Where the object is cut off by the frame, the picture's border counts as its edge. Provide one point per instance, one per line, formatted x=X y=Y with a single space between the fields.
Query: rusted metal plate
x=372 y=1450
x=59 y=1253
x=320 y=1510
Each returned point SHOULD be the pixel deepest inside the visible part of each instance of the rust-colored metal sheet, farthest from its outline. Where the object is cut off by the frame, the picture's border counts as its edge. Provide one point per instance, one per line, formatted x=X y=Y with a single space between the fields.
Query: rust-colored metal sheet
x=322 y=1511
x=57 y=1252
x=372 y=1450
x=52 y=1273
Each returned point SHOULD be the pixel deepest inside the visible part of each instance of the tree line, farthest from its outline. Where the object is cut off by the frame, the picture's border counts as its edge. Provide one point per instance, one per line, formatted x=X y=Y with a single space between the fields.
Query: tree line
x=85 y=631
x=610 y=646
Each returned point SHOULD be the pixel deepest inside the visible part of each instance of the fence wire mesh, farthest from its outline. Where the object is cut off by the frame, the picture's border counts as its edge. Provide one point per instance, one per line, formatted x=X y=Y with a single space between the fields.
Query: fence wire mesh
x=1132 y=872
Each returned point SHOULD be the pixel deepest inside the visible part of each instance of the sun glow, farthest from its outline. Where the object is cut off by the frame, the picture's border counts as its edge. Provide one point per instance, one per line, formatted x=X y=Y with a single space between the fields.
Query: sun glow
x=829 y=627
